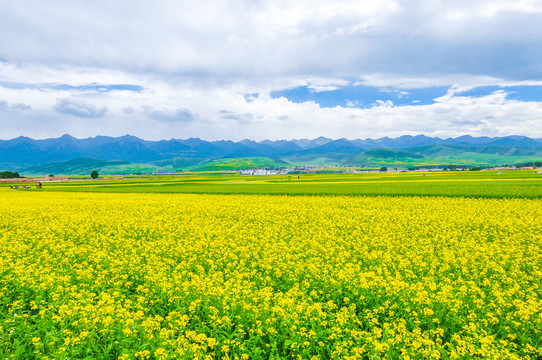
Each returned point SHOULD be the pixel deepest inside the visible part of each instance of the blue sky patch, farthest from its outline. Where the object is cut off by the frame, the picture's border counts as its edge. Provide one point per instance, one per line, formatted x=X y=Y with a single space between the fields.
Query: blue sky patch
x=519 y=93
x=362 y=96
x=250 y=97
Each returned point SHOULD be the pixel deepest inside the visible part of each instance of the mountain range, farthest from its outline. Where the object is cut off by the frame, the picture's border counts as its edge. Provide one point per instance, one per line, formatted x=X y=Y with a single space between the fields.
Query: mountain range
x=131 y=153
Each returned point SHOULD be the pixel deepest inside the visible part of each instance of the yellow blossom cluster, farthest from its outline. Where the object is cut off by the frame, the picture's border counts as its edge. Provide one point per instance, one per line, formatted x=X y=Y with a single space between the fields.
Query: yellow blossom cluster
x=180 y=276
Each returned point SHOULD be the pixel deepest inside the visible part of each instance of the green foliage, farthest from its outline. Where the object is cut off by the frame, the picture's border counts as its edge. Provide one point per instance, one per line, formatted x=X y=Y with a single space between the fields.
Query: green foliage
x=9 y=175
x=383 y=169
x=94 y=174
x=530 y=163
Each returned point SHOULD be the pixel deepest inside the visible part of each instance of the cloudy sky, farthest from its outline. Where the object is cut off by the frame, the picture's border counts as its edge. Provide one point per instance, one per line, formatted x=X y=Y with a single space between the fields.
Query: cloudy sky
x=270 y=69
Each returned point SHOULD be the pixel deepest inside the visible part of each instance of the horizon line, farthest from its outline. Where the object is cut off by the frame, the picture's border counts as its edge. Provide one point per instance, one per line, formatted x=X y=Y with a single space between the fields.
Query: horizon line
x=292 y=139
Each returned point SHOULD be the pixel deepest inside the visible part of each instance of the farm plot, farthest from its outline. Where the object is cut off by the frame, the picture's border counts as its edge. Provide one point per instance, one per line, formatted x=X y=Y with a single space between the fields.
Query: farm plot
x=159 y=276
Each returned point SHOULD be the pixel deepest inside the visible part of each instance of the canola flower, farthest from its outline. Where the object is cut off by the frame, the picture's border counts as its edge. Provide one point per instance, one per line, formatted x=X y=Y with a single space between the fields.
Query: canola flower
x=178 y=276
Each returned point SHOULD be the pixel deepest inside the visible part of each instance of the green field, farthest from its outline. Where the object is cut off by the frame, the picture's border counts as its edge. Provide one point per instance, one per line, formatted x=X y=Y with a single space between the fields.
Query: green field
x=491 y=184
x=135 y=269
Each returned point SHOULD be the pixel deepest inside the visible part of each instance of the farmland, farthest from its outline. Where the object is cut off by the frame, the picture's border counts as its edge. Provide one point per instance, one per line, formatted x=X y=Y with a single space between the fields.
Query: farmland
x=517 y=184
x=163 y=268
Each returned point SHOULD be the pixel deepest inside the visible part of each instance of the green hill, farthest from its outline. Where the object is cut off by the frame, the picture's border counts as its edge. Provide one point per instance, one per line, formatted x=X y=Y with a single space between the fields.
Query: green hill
x=239 y=164
x=179 y=163
x=78 y=166
x=134 y=169
x=451 y=150
x=438 y=155
x=428 y=156
x=383 y=156
x=330 y=153
x=391 y=153
x=315 y=159
x=84 y=165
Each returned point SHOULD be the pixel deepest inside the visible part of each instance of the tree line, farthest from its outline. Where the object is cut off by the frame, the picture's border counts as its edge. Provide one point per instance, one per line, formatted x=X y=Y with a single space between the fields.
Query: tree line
x=9 y=175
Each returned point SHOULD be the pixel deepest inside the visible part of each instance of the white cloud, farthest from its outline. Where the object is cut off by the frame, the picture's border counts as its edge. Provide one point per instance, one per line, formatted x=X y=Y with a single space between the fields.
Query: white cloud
x=459 y=82
x=80 y=109
x=194 y=59
x=323 y=84
x=263 y=38
x=169 y=114
x=4 y=105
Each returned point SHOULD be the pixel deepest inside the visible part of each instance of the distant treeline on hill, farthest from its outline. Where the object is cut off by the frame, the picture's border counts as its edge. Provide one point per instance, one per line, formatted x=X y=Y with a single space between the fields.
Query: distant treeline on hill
x=9 y=175
x=529 y=164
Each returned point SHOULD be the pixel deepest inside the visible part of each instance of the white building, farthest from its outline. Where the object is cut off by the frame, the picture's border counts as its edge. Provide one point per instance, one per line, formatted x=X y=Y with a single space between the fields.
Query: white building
x=258 y=172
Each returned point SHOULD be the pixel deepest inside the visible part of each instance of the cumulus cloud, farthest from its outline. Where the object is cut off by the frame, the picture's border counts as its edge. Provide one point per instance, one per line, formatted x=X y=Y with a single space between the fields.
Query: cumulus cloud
x=246 y=38
x=7 y=106
x=169 y=114
x=80 y=109
x=245 y=118
x=147 y=68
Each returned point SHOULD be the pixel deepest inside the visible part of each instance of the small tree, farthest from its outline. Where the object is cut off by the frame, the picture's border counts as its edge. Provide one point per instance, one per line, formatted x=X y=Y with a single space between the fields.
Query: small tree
x=383 y=169
x=94 y=174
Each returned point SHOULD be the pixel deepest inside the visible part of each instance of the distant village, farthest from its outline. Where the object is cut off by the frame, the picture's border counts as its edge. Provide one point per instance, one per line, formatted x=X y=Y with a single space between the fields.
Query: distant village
x=307 y=170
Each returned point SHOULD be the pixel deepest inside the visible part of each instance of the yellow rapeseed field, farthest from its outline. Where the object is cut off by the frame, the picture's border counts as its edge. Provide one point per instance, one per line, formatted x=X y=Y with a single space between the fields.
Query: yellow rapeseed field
x=163 y=276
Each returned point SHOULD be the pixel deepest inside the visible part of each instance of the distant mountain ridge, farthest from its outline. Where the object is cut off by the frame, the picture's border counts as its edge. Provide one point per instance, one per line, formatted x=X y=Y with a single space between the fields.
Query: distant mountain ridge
x=444 y=154
x=23 y=152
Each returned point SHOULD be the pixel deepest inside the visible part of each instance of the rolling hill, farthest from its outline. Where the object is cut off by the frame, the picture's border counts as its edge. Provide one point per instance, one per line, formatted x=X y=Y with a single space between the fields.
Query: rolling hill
x=69 y=155
x=435 y=155
x=81 y=165
x=331 y=153
x=239 y=164
x=84 y=166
